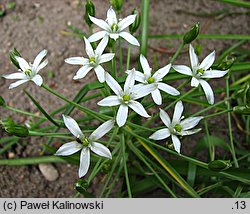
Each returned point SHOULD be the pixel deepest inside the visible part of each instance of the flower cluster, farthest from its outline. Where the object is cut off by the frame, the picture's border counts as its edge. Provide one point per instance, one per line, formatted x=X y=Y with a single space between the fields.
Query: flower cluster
x=127 y=96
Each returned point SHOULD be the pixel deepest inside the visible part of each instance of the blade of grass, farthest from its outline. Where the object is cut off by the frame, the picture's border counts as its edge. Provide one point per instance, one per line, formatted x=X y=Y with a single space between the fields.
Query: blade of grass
x=144 y=27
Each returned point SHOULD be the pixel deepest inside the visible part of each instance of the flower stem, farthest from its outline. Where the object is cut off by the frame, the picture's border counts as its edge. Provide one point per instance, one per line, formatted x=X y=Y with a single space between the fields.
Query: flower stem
x=210 y=145
x=124 y=158
x=128 y=58
x=114 y=71
x=120 y=55
x=177 y=52
x=230 y=125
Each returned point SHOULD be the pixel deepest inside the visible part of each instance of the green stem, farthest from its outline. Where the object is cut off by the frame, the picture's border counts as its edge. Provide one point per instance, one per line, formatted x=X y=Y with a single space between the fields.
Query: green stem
x=230 y=125
x=217 y=114
x=114 y=70
x=124 y=157
x=120 y=55
x=210 y=145
x=177 y=52
x=144 y=27
x=58 y=135
x=128 y=58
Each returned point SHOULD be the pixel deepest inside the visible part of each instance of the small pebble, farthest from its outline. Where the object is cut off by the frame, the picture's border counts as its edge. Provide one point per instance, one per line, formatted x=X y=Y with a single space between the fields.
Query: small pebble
x=11 y=155
x=48 y=171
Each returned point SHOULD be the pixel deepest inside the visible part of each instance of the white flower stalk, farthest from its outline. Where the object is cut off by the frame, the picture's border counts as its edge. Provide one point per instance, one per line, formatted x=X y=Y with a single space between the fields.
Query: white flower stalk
x=28 y=71
x=85 y=144
x=127 y=97
x=156 y=79
x=201 y=71
x=176 y=127
x=96 y=58
x=113 y=28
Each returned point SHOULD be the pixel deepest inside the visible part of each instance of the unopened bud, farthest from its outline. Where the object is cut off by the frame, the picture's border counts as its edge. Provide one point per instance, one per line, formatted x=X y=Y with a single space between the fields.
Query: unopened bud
x=242 y=109
x=81 y=186
x=135 y=25
x=89 y=11
x=13 y=55
x=219 y=165
x=191 y=34
x=2 y=101
x=117 y=4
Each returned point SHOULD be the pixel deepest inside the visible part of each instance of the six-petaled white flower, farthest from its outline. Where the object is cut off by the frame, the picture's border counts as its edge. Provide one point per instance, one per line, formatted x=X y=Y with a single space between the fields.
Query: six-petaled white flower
x=199 y=72
x=127 y=97
x=156 y=79
x=85 y=144
x=95 y=59
x=113 y=28
x=28 y=71
x=177 y=127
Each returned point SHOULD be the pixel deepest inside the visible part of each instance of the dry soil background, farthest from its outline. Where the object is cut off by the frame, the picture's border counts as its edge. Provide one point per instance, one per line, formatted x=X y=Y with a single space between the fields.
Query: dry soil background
x=36 y=25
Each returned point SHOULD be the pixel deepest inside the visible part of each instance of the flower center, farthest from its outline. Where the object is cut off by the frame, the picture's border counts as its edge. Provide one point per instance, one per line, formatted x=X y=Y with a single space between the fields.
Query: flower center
x=114 y=27
x=200 y=71
x=84 y=141
x=92 y=59
x=27 y=72
x=178 y=127
x=151 y=80
x=126 y=98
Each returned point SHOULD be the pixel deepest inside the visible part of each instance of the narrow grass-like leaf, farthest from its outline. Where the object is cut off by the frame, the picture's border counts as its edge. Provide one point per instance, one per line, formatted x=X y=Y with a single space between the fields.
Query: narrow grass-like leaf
x=144 y=27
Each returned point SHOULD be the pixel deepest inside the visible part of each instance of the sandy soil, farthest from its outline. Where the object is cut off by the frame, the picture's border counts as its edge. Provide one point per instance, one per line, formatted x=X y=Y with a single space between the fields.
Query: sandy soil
x=36 y=25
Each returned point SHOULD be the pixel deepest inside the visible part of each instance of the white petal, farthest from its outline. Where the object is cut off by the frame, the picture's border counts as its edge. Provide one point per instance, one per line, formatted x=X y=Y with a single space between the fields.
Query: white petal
x=208 y=61
x=100 y=23
x=129 y=38
x=17 y=83
x=100 y=73
x=162 y=72
x=156 y=95
x=97 y=36
x=214 y=74
x=145 y=66
x=72 y=126
x=114 y=36
x=130 y=81
x=101 y=150
x=88 y=47
x=109 y=101
x=76 y=60
x=113 y=84
x=189 y=132
x=126 y=22
x=42 y=65
x=69 y=148
x=111 y=17
x=190 y=122
x=106 y=57
x=208 y=91
x=138 y=108
x=24 y=65
x=194 y=82
x=144 y=90
x=15 y=76
x=102 y=130
x=82 y=72
x=38 y=59
x=139 y=76
x=177 y=112
x=183 y=69
x=122 y=115
x=168 y=89
x=102 y=45
x=193 y=57
x=84 y=162
x=165 y=118
x=177 y=143
x=160 y=134
x=38 y=80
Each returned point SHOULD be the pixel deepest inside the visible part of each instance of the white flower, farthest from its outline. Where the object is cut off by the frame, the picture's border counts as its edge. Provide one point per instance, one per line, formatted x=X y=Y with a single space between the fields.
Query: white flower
x=114 y=28
x=85 y=144
x=95 y=59
x=28 y=71
x=177 y=127
x=156 y=78
x=127 y=97
x=201 y=71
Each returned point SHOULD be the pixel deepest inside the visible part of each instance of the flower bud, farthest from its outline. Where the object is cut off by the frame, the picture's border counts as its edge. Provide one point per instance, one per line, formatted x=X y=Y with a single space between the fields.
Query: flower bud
x=191 y=34
x=2 y=101
x=14 y=129
x=135 y=25
x=242 y=109
x=117 y=4
x=219 y=165
x=13 y=55
x=81 y=186
x=89 y=10
x=227 y=63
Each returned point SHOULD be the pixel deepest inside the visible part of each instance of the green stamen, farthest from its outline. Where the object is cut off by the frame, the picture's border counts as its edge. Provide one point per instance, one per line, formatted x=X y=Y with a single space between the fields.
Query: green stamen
x=92 y=59
x=151 y=80
x=114 y=27
x=178 y=127
x=200 y=71
x=85 y=142
x=27 y=72
x=126 y=98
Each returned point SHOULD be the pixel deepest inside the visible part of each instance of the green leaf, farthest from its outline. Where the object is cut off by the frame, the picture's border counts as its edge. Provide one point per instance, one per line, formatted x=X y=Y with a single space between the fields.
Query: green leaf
x=144 y=27
x=2 y=101
x=242 y=109
x=42 y=110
